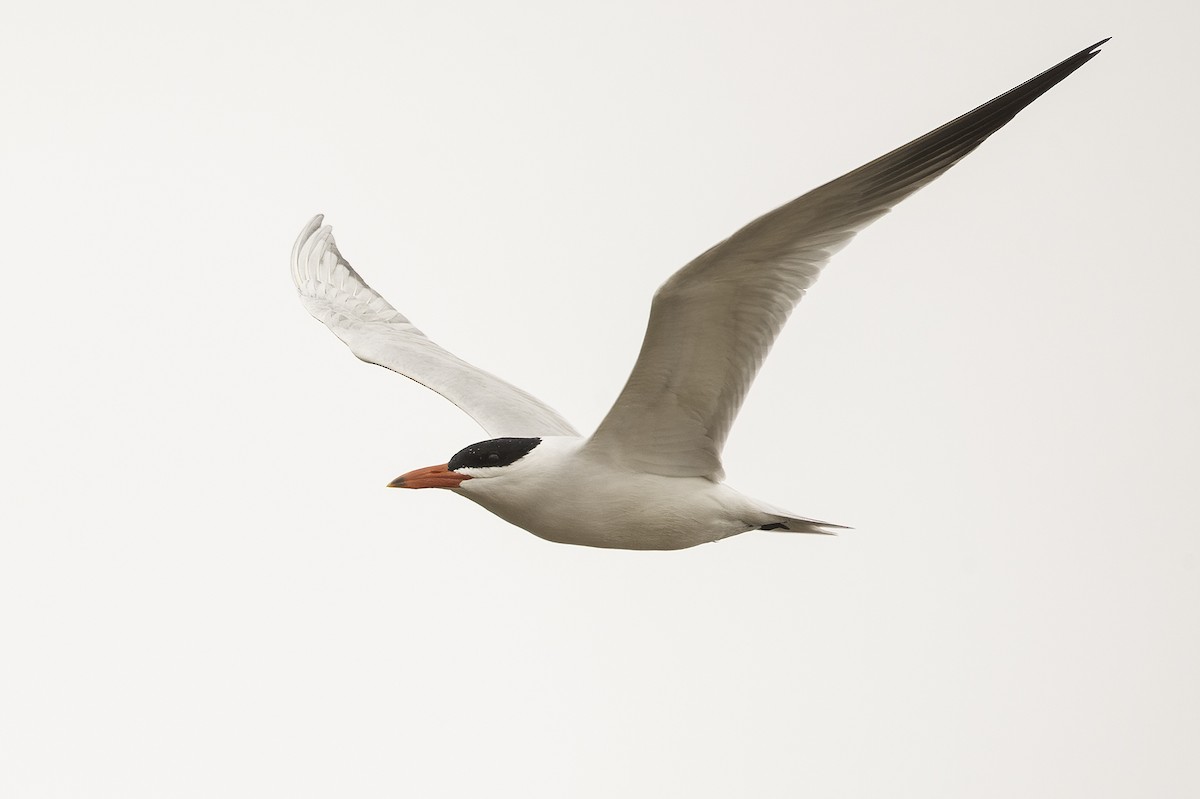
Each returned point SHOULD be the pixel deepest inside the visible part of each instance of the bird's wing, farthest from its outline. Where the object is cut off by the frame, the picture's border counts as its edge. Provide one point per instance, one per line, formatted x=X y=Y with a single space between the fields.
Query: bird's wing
x=377 y=333
x=712 y=323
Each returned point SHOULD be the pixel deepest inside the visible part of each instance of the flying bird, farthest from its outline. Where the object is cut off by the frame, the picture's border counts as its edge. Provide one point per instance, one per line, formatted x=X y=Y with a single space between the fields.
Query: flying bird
x=650 y=476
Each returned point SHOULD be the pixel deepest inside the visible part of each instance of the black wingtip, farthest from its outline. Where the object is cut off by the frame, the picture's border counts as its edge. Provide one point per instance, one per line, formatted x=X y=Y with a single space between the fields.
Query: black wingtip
x=1088 y=53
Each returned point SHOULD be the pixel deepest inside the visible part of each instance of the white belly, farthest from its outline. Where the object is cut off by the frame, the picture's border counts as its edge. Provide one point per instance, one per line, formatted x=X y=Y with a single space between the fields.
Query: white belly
x=617 y=509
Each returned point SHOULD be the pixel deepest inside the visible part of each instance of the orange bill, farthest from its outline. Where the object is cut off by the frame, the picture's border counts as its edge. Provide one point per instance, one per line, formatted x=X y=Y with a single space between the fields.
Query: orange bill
x=438 y=476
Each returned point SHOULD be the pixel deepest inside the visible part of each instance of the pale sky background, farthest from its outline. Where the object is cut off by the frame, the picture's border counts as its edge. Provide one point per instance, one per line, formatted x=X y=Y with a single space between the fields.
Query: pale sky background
x=207 y=591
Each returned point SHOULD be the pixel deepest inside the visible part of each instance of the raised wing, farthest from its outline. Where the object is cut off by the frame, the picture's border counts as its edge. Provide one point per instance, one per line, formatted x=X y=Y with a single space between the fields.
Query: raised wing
x=712 y=323
x=377 y=333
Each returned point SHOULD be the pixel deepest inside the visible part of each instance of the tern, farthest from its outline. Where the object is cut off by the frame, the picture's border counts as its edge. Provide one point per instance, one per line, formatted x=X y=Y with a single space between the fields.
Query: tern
x=650 y=476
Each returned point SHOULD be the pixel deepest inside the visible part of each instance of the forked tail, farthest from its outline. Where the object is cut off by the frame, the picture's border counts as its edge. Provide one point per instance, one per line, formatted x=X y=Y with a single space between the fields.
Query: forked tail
x=780 y=523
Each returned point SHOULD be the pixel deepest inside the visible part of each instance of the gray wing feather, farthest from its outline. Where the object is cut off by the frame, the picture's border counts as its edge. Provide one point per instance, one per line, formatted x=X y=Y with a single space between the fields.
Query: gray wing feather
x=713 y=322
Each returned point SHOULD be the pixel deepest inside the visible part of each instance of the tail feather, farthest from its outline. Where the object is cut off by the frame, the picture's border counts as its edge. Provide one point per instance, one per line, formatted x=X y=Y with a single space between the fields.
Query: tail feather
x=779 y=522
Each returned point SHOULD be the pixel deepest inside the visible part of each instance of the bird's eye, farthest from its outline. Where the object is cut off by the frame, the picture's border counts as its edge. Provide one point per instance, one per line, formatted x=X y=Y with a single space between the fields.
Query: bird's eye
x=493 y=457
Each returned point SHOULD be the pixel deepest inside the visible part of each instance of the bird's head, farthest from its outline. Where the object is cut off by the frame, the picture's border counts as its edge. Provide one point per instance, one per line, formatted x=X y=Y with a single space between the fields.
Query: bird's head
x=489 y=459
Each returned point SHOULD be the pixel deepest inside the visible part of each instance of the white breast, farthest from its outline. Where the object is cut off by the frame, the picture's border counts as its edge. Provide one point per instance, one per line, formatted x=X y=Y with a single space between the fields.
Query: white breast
x=562 y=495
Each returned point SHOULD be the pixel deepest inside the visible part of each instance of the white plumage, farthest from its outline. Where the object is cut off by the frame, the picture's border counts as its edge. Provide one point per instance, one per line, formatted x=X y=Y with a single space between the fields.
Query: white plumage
x=650 y=476
x=377 y=333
